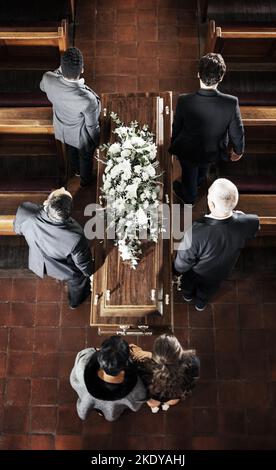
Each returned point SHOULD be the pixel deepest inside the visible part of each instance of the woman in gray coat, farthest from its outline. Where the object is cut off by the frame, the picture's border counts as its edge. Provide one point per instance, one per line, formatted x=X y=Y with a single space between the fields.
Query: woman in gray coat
x=106 y=380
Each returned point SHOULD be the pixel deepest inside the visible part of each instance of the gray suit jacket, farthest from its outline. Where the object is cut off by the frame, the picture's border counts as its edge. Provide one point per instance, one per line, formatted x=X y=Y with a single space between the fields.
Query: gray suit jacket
x=58 y=249
x=76 y=110
x=86 y=402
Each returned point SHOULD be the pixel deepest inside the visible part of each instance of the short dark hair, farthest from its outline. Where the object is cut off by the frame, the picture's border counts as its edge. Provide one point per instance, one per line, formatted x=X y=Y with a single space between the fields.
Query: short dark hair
x=113 y=355
x=59 y=208
x=72 y=63
x=211 y=69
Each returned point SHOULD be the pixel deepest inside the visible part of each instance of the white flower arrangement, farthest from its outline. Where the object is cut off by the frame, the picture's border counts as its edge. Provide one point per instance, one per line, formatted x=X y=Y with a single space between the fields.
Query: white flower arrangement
x=131 y=188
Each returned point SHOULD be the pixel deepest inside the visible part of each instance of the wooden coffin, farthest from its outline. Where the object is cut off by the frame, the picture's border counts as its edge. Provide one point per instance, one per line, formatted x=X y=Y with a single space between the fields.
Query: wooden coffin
x=124 y=300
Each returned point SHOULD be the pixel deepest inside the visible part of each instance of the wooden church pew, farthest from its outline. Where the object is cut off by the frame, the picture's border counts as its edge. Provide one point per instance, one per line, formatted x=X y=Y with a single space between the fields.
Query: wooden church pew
x=258 y=116
x=29 y=11
x=6 y=225
x=32 y=161
x=52 y=35
x=26 y=120
x=239 y=11
x=20 y=88
x=255 y=173
x=241 y=43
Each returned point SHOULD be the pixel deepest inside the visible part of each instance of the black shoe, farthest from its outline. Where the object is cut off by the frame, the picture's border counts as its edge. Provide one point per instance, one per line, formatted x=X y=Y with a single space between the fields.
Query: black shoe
x=187 y=298
x=200 y=306
x=73 y=307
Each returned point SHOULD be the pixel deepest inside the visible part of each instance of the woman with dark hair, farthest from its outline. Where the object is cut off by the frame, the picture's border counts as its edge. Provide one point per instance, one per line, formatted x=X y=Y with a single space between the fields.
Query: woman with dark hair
x=106 y=380
x=169 y=372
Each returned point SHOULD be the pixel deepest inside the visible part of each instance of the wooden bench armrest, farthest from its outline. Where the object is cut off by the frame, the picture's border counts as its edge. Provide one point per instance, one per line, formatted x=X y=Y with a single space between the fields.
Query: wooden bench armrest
x=6 y=225
x=57 y=36
x=244 y=32
x=26 y=120
x=258 y=116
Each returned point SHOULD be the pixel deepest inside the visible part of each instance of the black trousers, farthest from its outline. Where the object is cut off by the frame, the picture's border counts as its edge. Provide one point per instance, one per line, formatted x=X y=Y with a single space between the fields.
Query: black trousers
x=199 y=288
x=81 y=161
x=78 y=289
x=192 y=177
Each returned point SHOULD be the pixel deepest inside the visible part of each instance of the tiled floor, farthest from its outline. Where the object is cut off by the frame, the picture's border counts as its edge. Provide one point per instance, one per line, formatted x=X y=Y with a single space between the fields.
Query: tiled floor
x=233 y=406
x=139 y=45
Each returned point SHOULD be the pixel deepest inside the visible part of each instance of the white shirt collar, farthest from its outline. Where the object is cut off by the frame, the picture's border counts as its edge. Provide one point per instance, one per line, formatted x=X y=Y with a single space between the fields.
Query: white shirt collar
x=79 y=82
x=218 y=218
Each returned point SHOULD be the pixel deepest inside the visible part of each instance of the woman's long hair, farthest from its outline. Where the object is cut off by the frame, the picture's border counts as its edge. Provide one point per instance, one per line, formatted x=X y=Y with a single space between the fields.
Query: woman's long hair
x=172 y=372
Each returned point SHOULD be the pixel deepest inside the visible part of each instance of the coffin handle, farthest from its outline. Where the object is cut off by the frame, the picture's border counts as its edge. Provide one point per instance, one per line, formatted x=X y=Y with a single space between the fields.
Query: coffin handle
x=123 y=329
x=107 y=295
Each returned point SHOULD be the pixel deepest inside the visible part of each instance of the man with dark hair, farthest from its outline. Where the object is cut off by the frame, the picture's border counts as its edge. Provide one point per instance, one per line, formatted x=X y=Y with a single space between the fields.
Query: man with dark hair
x=57 y=245
x=106 y=380
x=114 y=355
x=203 y=125
x=76 y=110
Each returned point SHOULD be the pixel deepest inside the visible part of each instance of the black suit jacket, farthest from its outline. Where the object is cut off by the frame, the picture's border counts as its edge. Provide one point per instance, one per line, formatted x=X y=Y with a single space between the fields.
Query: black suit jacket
x=60 y=249
x=212 y=247
x=203 y=124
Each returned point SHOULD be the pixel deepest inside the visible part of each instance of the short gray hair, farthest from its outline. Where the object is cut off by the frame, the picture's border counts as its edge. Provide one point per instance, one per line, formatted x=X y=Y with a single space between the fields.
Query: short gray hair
x=224 y=194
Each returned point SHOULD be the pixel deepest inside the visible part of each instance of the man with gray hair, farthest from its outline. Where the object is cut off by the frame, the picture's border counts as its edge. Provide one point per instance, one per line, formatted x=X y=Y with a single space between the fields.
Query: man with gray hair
x=210 y=249
x=57 y=245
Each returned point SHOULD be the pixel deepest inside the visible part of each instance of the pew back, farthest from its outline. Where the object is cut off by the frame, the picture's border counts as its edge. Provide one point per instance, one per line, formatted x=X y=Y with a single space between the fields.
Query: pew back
x=55 y=35
x=242 y=43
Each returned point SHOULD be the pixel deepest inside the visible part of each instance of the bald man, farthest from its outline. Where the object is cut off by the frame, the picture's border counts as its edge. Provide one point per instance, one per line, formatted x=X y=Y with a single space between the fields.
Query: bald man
x=57 y=245
x=208 y=252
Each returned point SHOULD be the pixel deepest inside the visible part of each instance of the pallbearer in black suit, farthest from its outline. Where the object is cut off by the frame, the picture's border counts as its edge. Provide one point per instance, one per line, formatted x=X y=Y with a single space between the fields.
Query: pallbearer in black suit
x=209 y=251
x=204 y=123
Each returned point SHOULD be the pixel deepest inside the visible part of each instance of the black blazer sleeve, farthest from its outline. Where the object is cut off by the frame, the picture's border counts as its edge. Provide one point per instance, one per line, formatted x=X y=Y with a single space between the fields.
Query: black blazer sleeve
x=187 y=254
x=81 y=256
x=236 y=130
x=177 y=120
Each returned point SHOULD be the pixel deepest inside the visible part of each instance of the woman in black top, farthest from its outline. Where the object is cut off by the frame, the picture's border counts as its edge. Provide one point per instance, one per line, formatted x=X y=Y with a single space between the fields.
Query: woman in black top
x=106 y=380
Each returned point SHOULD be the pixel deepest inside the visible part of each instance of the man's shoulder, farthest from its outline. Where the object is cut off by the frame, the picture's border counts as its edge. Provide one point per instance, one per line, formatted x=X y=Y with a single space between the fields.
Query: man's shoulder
x=29 y=209
x=52 y=76
x=185 y=97
x=242 y=218
x=88 y=94
x=76 y=230
x=231 y=99
x=200 y=223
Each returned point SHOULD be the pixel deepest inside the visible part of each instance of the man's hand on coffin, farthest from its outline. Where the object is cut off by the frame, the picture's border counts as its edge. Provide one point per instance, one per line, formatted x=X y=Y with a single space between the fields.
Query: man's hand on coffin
x=234 y=157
